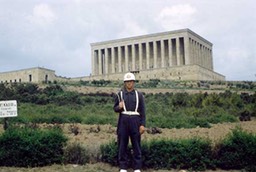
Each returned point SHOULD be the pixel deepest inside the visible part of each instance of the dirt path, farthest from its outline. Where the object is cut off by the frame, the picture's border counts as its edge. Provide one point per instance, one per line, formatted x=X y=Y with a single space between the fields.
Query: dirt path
x=94 y=135
x=98 y=167
x=87 y=90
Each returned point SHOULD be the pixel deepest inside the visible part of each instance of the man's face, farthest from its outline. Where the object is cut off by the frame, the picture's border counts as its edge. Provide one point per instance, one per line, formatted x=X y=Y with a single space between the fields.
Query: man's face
x=129 y=85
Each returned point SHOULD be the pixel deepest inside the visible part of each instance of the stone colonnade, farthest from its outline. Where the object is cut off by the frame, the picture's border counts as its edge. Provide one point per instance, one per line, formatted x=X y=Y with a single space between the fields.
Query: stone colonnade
x=161 y=50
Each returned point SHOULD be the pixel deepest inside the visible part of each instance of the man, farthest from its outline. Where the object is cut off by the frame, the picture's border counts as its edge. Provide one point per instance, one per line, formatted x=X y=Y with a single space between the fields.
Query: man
x=129 y=103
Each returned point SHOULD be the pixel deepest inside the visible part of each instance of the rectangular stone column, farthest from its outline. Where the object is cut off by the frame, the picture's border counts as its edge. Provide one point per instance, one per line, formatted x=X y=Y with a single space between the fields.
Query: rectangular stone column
x=147 y=54
x=203 y=56
x=197 y=53
x=192 y=47
x=119 y=59
x=140 y=56
x=170 y=52
x=208 y=58
x=211 y=59
x=106 y=60
x=155 y=54
x=162 y=53
x=113 y=59
x=187 y=50
x=93 y=63
x=96 y=60
x=200 y=55
x=126 y=59
x=100 y=62
x=133 y=57
x=178 y=51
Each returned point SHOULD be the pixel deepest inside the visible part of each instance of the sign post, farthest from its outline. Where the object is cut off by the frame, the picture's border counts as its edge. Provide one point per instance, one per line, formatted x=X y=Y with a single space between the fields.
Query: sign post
x=8 y=108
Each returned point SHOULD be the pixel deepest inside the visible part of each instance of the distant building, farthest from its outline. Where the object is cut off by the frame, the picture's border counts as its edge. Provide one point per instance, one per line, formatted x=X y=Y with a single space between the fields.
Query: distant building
x=174 y=55
x=33 y=75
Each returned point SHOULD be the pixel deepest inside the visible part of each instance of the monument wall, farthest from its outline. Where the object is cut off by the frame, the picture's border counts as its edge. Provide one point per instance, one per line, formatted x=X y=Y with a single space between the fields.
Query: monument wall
x=188 y=72
x=150 y=55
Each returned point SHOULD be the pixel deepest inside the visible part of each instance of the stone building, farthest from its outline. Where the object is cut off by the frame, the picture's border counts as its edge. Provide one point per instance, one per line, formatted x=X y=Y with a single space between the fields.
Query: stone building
x=33 y=75
x=174 y=55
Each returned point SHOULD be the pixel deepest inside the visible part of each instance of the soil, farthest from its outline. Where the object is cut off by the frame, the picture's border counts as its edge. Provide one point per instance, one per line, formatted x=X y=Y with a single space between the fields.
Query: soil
x=109 y=90
x=92 y=136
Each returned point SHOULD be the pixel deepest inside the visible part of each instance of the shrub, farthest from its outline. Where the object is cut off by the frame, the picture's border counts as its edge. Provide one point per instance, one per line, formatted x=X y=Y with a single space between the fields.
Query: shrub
x=193 y=154
x=52 y=90
x=109 y=153
x=180 y=100
x=27 y=147
x=157 y=154
x=238 y=151
x=76 y=154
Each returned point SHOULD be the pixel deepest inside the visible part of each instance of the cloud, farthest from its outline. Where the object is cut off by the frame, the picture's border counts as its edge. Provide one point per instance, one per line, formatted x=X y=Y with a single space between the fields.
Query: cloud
x=57 y=34
x=42 y=15
x=176 y=17
x=237 y=64
x=132 y=28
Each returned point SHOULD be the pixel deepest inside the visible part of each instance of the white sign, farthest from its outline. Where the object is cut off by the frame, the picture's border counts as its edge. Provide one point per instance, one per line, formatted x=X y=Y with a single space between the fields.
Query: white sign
x=8 y=108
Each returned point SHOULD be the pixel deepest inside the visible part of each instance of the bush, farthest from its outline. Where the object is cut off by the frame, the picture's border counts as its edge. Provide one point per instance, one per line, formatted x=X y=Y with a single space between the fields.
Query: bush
x=193 y=154
x=238 y=151
x=76 y=154
x=27 y=147
x=110 y=153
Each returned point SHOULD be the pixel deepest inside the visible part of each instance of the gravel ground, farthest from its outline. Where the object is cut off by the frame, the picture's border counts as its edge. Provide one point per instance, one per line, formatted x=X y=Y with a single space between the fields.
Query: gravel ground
x=97 y=167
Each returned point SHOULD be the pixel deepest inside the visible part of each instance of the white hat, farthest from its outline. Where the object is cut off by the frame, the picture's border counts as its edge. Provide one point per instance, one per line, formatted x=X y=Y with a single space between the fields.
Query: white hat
x=129 y=77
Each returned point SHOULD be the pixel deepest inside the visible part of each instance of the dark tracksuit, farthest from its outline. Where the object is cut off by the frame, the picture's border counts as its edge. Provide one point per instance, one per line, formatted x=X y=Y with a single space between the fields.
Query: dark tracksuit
x=128 y=127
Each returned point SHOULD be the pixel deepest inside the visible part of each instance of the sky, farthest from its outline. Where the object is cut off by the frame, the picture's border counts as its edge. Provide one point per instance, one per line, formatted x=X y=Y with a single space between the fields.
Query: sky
x=56 y=34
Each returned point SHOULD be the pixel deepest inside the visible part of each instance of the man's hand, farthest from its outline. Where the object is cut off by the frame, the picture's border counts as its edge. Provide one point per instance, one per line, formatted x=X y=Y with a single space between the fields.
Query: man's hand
x=121 y=104
x=142 y=129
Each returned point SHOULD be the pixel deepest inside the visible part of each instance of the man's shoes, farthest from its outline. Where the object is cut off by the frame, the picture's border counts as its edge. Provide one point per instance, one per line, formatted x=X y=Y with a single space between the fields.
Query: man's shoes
x=122 y=170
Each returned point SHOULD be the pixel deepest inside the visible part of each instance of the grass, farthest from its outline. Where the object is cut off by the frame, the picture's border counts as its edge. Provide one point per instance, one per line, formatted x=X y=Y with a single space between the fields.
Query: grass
x=87 y=114
x=102 y=113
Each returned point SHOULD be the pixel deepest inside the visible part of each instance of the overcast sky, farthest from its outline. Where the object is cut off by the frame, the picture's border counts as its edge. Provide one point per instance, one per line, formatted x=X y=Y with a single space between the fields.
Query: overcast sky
x=56 y=34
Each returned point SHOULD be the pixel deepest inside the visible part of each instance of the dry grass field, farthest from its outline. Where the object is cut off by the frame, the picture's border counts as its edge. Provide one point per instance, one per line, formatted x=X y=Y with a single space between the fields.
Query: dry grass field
x=87 y=90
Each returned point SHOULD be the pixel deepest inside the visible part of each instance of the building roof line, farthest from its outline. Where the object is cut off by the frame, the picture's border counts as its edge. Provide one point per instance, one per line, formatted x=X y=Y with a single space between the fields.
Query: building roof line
x=32 y=68
x=151 y=35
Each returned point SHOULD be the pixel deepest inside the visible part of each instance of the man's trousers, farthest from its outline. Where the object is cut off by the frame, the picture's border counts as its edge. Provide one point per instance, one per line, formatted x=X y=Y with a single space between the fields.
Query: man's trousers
x=128 y=127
